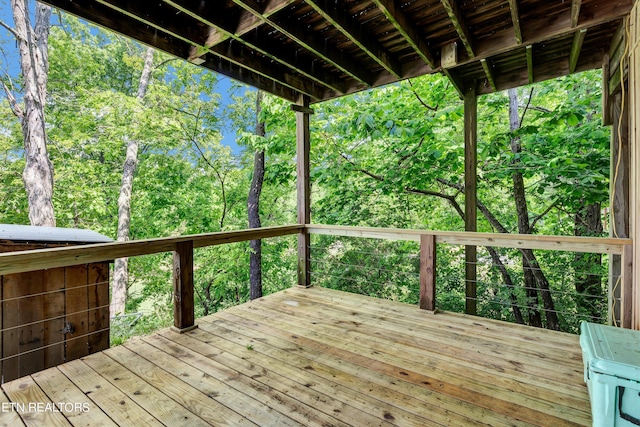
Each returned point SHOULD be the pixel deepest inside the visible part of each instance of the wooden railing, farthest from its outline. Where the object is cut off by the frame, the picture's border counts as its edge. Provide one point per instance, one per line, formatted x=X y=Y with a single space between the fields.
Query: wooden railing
x=430 y=239
x=182 y=247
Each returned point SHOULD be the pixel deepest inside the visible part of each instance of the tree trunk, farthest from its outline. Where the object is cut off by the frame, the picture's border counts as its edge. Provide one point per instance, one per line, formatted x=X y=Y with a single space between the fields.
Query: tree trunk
x=588 y=282
x=34 y=62
x=121 y=267
x=253 y=207
x=533 y=275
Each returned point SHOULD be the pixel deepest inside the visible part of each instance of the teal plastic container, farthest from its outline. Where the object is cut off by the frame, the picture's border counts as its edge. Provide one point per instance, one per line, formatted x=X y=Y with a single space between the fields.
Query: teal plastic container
x=611 y=359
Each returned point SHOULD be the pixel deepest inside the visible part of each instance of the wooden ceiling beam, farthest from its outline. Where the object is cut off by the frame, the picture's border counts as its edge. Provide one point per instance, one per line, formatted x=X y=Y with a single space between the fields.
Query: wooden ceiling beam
x=455 y=81
x=354 y=32
x=460 y=24
x=576 y=48
x=548 y=27
x=129 y=27
x=515 y=19
x=489 y=73
x=530 y=63
x=243 y=23
x=543 y=71
x=409 y=32
x=301 y=35
x=236 y=53
x=575 y=12
x=213 y=19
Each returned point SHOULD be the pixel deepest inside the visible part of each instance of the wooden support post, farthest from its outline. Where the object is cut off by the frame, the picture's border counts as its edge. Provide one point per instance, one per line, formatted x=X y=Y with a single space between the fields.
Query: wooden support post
x=470 y=193
x=619 y=199
x=428 y=272
x=626 y=288
x=303 y=146
x=183 y=306
x=633 y=79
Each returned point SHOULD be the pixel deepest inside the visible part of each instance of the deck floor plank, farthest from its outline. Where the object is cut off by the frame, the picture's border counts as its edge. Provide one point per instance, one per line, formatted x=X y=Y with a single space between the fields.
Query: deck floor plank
x=279 y=343
x=83 y=412
x=357 y=351
x=152 y=399
x=138 y=358
x=8 y=416
x=332 y=381
x=122 y=410
x=319 y=357
x=25 y=391
x=412 y=349
x=292 y=384
x=238 y=392
x=398 y=381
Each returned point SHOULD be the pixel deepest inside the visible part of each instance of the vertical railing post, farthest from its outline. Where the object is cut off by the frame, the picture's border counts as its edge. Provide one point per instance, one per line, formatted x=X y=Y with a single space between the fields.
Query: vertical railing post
x=183 y=304
x=428 y=272
x=303 y=185
x=470 y=194
x=626 y=287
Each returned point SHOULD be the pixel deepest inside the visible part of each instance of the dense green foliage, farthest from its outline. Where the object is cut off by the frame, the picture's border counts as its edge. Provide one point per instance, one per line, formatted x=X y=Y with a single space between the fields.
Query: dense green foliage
x=391 y=157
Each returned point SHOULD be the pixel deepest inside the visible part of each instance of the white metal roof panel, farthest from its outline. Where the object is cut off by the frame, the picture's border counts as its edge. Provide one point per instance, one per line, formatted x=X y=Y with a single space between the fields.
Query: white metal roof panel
x=28 y=233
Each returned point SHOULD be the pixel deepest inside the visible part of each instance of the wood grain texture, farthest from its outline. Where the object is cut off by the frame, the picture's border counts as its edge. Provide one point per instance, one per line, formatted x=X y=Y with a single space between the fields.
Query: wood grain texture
x=317 y=357
x=525 y=241
x=61 y=257
x=183 y=298
x=428 y=272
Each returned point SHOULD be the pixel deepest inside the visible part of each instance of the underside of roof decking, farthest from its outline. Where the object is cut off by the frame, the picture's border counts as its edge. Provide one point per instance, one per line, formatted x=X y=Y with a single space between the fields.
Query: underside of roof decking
x=326 y=49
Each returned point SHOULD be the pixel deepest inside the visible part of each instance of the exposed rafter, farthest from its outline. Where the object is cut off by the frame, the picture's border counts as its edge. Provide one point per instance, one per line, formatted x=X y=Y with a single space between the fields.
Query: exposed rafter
x=339 y=19
x=236 y=53
x=218 y=26
x=575 y=12
x=301 y=35
x=546 y=28
x=244 y=22
x=315 y=48
x=489 y=73
x=401 y=22
x=460 y=24
x=455 y=81
x=529 y=50
x=576 y=47
x=515 y=19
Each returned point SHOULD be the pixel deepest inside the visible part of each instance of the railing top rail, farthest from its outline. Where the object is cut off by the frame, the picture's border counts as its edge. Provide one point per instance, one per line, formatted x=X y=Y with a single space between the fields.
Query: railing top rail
x=17 y=262
x=517 y=241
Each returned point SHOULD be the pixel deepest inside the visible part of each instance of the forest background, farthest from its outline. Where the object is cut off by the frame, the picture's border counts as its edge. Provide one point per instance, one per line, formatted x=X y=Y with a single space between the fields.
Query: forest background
x=389 y=157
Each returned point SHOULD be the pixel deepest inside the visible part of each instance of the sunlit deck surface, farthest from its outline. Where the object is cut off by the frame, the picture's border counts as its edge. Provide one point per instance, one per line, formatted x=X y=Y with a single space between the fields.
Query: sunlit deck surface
x=320 y=357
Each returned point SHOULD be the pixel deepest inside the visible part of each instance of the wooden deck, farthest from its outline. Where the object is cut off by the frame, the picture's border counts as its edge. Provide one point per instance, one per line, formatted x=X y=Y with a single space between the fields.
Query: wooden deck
x=316 y=357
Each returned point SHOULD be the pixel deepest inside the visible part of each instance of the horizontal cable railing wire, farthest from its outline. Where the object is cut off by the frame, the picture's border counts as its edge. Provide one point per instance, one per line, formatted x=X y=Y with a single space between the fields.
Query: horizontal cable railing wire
x=390 y=269
x=378 y=268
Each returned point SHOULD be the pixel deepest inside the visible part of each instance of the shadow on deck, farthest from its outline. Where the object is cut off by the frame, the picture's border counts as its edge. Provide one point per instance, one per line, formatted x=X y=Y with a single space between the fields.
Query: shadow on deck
x=316 y=357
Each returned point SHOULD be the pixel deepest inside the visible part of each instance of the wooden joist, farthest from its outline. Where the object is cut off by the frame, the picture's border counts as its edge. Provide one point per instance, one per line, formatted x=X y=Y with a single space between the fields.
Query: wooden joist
x=300 y=34
x=366 y=42
x=239 y=54
x=575 y=12
x=529 y=51
x=402 y=23
x=460 y=24
x=515 y=19
x=489 y=73
x=576 y=47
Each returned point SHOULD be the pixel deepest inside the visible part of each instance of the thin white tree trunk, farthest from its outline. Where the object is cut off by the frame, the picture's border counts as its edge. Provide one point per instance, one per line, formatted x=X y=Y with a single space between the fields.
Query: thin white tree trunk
x=121 y=267
x=34 y=62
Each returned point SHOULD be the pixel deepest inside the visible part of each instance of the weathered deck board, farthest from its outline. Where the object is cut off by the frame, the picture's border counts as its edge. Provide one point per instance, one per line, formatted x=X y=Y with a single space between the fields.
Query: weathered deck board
x=317 y=357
